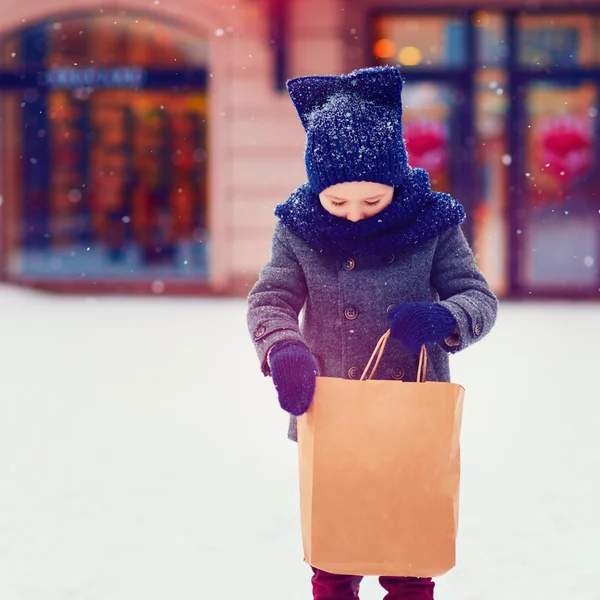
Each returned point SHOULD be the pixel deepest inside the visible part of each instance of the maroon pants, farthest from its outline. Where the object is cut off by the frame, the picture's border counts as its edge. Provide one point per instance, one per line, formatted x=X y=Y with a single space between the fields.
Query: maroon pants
x=327 y=586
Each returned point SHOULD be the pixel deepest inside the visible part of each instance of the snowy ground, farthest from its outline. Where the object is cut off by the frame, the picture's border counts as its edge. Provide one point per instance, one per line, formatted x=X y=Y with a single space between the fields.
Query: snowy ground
x=143 y=456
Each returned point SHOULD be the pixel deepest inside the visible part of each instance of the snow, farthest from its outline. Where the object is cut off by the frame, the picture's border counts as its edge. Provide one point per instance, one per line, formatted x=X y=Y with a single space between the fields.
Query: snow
x=142 y=455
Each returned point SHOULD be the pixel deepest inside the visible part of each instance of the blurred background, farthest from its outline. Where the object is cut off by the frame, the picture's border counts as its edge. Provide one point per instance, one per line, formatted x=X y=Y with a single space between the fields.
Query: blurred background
x=143 y=148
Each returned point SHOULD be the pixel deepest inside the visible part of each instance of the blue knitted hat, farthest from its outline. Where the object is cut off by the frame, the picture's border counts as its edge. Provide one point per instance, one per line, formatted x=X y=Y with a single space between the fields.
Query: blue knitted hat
x=353 y=127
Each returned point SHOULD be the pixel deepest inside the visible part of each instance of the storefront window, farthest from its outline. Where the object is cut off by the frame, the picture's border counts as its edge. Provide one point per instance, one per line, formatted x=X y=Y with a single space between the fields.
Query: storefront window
x=112 y=181
x=420 y=41
x=564 y=41
x=531 y=137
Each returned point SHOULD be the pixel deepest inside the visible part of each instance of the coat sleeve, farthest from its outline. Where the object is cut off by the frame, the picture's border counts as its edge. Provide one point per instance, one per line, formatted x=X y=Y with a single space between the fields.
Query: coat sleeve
x=463 y=290
x=276 y=300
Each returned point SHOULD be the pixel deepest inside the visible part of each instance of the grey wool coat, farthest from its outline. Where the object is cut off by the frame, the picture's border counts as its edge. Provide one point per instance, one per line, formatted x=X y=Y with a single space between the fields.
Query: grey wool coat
x=338 y=305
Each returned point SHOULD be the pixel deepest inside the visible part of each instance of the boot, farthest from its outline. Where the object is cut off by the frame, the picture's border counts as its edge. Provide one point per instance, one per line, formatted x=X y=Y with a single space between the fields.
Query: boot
x=327 y=586
x=407 y=588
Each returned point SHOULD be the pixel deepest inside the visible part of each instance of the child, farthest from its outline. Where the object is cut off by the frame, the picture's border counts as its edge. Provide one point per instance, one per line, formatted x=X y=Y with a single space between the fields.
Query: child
x=363 y=247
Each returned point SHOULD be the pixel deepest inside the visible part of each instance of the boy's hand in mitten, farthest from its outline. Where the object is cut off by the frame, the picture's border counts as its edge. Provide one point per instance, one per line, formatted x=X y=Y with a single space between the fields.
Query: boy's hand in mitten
x=294 y=371
x=418 y=323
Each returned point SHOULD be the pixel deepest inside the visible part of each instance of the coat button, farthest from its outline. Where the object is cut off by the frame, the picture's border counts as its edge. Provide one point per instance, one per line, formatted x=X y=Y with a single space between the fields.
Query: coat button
x=397 y=373
x=354 y=373
x=351 y=313
x=349 y=264
x=260 y=332
x=477 y=329
x=390 y=307
x=389 y=258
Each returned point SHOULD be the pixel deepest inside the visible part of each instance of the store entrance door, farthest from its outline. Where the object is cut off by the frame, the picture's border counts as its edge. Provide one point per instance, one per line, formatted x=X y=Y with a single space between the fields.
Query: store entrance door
x=555 y=226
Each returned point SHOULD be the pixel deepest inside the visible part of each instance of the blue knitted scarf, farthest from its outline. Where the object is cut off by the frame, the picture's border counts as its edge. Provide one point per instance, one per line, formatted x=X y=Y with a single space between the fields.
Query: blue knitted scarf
x=416 y=215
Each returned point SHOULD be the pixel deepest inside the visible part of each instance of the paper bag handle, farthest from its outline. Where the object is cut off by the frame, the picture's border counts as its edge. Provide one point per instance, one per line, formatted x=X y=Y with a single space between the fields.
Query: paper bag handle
x=378 y=353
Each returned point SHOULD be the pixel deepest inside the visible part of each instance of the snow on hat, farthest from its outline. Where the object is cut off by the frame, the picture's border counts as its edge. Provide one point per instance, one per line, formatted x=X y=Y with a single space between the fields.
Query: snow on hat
x=353 y=126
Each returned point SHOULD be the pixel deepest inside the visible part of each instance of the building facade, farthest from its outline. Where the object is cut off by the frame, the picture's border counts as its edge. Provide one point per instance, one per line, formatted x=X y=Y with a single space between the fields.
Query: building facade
x=143 y=146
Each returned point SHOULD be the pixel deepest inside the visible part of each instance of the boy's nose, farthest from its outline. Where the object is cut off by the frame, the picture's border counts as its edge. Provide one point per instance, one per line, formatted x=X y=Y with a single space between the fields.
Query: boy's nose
x=355 y=216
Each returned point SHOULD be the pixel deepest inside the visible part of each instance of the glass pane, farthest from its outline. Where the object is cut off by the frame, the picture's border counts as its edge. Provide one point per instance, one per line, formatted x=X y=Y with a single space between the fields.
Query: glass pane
x=429 y=115
x=493 y=160
x=566 y=41
x=560 y=235
x=105 y=40
x=108 y=183
x=490 y=38
x=419 y=41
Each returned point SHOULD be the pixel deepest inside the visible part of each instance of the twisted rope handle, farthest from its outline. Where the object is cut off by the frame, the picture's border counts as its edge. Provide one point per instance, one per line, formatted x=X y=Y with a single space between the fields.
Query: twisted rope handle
x=378 y=354
x=422 y=371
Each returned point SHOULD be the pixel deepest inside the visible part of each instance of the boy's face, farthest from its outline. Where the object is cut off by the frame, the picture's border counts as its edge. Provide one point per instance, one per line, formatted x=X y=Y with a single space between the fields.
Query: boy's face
x=356 y=200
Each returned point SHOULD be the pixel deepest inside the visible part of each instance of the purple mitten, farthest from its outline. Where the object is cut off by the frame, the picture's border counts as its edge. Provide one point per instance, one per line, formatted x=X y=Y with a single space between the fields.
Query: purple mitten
x=294 y=371
x=418 y=323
